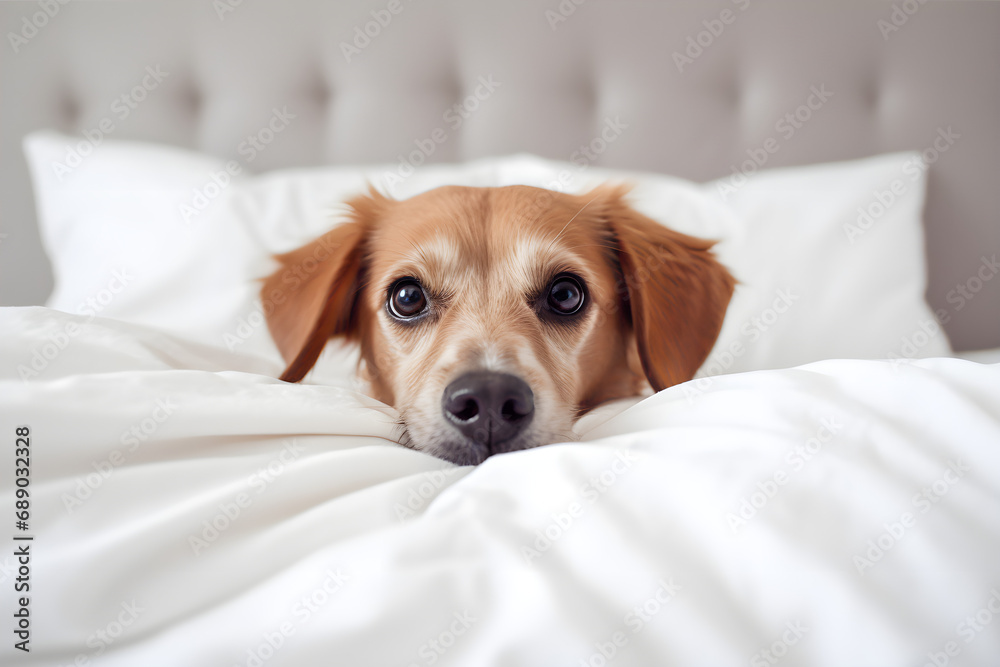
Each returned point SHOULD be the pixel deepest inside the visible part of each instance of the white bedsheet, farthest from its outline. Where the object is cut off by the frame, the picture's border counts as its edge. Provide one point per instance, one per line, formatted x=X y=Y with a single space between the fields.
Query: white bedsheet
x=839 y=513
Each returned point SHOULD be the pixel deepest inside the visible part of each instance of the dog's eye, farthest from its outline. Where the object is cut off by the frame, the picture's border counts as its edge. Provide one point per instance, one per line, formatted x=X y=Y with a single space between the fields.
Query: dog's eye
x=407 y=299
x=566 y=295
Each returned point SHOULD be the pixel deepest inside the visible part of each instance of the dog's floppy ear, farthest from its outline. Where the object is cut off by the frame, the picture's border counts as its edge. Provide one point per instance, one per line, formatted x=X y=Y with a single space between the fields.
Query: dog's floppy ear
x=677 y=293
x=313 y=296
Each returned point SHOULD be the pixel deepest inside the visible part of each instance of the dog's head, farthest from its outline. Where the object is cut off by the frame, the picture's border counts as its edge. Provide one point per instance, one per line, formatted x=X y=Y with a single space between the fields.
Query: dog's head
x=492 y=318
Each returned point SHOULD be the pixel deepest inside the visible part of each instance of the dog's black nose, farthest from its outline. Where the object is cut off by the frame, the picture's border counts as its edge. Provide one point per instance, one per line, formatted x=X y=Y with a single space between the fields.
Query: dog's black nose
x=488 y=408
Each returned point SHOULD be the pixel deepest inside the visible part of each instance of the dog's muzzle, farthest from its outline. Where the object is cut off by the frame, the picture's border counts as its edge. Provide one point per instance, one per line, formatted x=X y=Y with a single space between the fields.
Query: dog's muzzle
x=488 y=408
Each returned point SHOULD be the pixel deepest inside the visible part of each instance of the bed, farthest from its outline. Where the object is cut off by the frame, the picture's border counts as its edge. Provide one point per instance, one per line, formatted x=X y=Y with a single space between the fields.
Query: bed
x=825 y=491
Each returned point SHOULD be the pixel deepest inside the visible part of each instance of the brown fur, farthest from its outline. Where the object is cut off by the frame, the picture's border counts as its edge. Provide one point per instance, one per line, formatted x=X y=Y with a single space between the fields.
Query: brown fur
x=657 y=299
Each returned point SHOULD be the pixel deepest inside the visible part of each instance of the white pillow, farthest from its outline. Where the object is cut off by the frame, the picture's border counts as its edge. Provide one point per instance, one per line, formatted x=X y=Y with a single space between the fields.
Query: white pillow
x=840 y=249
x=193 y=235
x=113 y=224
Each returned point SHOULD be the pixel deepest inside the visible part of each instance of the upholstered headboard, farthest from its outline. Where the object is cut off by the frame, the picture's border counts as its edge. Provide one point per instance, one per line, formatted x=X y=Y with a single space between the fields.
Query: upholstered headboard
x=693 y=86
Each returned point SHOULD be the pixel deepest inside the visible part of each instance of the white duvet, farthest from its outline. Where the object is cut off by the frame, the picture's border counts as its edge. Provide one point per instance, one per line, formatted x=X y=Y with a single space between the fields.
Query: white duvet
x=188 y=509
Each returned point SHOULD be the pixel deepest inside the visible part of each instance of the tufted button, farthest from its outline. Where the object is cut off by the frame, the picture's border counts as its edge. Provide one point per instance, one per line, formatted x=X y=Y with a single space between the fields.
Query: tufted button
x=452 y=85
x=734 y=94
x=68 y=107
x=319 y=89
x=589 y=97
x=191 y=98
x=871 y=95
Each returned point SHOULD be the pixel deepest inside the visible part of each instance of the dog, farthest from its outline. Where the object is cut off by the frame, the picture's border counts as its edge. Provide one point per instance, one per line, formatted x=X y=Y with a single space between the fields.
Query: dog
x=493 y=318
